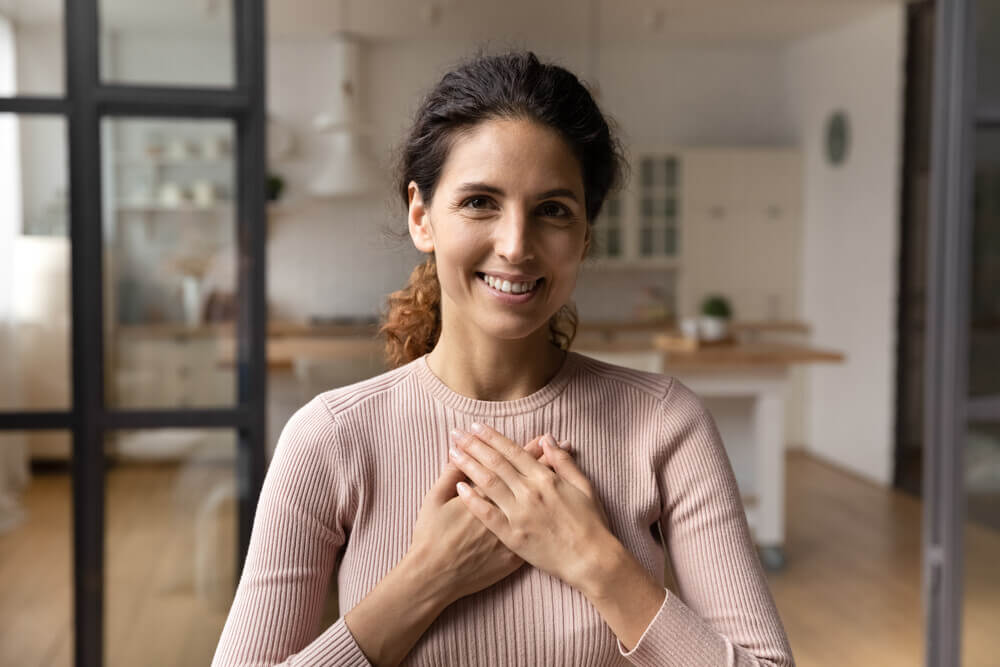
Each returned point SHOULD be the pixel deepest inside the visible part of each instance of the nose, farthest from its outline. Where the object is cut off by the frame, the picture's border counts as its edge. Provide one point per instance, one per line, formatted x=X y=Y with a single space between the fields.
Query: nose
x=513 y=239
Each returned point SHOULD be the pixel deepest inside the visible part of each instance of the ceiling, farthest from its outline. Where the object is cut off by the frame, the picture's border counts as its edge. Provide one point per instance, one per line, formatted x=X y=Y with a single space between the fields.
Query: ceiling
x=661 y=22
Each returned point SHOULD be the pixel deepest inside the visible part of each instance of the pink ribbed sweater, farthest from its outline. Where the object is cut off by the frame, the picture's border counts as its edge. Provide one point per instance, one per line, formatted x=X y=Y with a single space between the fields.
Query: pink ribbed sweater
x=349 y=474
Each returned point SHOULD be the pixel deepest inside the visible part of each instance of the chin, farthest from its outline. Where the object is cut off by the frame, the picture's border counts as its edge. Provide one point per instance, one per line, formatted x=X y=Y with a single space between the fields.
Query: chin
x=514 y=331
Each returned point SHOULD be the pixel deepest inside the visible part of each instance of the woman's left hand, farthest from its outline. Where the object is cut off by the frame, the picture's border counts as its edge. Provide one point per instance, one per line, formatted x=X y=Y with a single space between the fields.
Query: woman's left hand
x=549 y=517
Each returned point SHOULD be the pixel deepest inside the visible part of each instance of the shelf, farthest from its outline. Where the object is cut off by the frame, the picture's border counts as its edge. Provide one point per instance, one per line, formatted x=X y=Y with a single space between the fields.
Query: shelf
x=185 y=208
x=630 y=264
x=165 y=160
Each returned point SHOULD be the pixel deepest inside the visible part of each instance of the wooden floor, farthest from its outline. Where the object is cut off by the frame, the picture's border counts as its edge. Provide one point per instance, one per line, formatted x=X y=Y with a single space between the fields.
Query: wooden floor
x=850 y=595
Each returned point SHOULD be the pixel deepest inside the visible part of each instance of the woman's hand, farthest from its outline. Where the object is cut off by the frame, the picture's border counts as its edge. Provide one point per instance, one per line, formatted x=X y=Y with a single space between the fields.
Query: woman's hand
x=463 y=554
x=550 y=518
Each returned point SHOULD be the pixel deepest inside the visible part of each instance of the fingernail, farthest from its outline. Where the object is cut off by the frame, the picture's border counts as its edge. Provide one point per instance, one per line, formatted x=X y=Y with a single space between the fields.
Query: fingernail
x=549 y=440
x=455 y=454
x=456 y=435
x=476 y=427
x=565 y=445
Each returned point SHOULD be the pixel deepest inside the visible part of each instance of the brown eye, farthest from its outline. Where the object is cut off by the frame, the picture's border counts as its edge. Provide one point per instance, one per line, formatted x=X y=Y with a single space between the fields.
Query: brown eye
x=476 y=202
x=553 y=209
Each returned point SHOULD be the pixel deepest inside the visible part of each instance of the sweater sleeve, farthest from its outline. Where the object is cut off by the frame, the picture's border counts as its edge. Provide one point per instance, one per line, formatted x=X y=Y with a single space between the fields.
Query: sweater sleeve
x=302 y=517
x=724 y=613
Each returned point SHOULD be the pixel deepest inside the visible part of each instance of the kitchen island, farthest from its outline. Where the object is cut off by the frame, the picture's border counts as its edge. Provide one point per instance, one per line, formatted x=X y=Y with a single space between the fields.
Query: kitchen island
x=752 y=372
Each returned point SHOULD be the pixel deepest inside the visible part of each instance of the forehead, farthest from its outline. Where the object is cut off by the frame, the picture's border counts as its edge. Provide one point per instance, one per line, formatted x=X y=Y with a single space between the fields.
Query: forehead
x=512 y=154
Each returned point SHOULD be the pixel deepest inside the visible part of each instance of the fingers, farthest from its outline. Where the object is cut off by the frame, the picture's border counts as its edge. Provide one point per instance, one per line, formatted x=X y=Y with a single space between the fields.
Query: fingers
x=563 y=463
x=512 y=454
x=535 y=449
x=488 y=465
x=487 y=468
x=443 y=488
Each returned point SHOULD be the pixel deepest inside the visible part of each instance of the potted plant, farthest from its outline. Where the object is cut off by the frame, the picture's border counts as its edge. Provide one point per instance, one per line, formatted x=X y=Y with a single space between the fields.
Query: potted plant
x=715 y=315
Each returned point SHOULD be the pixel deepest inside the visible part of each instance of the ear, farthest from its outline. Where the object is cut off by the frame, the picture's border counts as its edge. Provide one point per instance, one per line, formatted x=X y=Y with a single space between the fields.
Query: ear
x=418 y=220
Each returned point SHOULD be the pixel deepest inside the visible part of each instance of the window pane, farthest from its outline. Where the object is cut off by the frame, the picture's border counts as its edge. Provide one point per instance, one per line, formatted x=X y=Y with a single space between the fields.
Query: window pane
x=984 y=342
x=170 y=542
x=646 y=241
x=36 y=566
x=613 y=209
x=648 y=171
x=614 y=242
x=31 y=48
x=34 y=265
x=169 y=240
x=670 y=247
x=670 y=176
x=167 y=43
x=987 y=26
x=981 y=534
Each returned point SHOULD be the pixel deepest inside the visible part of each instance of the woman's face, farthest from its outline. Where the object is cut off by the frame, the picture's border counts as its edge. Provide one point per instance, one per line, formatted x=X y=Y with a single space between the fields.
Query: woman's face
x=508 y=209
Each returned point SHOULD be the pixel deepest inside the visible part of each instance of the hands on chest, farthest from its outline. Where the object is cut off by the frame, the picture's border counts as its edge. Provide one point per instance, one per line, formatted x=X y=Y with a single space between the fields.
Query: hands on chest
x=528 y=503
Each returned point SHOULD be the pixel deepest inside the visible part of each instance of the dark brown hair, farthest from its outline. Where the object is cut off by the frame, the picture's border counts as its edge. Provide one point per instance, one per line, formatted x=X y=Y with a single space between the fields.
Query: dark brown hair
x=513 y=85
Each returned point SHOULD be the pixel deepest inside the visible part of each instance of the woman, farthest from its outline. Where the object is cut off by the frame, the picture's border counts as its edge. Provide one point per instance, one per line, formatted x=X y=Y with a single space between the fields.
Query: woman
x=515 y=555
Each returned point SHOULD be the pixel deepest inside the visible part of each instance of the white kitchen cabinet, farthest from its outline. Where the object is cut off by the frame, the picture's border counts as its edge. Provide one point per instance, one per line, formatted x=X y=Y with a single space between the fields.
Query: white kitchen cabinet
x=170 y=372
x=727 y=219
x=741 y=230
x=639 y=226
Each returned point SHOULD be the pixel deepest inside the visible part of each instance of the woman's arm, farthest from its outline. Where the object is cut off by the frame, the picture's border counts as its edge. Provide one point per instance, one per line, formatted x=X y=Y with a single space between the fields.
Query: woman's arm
x=727 y=615
x=394 y=615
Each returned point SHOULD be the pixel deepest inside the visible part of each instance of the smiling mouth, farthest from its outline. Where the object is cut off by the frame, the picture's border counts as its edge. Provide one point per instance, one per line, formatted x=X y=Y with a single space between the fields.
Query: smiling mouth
x=508 y=287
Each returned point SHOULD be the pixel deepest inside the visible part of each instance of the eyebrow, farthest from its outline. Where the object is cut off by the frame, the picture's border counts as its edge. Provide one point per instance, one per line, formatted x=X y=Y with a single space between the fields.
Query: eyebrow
x=492 y=189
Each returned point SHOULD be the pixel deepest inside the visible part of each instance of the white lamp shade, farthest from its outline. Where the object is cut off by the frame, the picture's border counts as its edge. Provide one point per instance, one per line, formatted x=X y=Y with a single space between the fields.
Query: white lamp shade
x=348 y=170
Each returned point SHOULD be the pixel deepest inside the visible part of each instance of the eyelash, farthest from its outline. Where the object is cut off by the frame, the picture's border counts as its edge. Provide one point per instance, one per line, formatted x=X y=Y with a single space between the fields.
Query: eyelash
x=565 y=211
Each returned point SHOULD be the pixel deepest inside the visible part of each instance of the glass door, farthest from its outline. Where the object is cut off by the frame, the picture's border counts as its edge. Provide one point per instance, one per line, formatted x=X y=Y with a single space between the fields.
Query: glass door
x=132 y=437
x=962 y=397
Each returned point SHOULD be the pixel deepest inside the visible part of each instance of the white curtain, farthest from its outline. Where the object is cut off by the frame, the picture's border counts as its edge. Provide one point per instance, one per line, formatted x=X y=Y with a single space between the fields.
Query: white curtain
x=13 y=455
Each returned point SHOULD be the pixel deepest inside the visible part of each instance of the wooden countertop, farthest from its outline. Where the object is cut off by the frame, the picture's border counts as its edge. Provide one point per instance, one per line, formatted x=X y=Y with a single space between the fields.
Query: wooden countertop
x=741 y=355
x=275 y=328
x=612 y=327
x=283 y=351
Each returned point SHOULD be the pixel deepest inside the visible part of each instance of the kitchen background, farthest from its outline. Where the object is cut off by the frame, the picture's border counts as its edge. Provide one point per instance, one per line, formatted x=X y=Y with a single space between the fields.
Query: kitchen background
x=729 y=112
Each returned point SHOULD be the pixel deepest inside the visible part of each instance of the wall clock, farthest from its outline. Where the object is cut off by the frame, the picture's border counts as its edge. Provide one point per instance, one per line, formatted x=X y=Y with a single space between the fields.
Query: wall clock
x=838 y=137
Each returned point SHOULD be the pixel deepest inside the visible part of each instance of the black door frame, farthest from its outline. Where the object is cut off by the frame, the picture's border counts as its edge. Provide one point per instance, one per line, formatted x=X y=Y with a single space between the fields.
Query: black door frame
x=86 y=101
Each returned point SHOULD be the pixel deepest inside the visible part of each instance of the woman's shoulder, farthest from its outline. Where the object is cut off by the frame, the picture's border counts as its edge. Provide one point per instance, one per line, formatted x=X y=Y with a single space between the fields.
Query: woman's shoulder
x=654 y=385
x=667 y=390
x=342 y=400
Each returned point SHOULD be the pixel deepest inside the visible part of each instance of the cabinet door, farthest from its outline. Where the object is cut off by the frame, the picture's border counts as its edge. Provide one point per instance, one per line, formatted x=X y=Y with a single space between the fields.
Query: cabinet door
x=658 y=200
x=742 y=228
x=713 y=251
x=609 y=232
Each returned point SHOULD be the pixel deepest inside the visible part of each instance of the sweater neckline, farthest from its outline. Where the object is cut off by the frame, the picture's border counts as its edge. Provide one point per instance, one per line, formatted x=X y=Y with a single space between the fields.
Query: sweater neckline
x=445 y=394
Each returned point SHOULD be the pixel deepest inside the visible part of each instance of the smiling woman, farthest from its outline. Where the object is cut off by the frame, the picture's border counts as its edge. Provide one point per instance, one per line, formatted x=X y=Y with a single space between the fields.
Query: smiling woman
x=459 y=532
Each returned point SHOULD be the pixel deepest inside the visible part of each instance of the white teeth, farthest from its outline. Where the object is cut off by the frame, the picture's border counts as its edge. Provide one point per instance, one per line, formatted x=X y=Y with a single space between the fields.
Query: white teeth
x=507 y=286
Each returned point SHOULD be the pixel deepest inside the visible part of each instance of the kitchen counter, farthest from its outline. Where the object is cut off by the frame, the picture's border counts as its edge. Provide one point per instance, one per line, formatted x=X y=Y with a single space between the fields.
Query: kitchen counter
x=744 y=354
x=751 y=374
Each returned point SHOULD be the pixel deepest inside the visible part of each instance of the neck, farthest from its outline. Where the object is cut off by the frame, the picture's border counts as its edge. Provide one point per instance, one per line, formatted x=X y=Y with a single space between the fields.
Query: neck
x=495 y=370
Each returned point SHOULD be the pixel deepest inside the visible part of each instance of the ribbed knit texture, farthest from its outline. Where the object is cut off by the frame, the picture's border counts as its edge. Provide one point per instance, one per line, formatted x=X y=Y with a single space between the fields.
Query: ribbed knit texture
x=356 y=461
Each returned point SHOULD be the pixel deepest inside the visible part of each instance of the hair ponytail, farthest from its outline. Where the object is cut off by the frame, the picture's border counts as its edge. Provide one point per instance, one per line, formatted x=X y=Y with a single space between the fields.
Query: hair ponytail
x=412 y=322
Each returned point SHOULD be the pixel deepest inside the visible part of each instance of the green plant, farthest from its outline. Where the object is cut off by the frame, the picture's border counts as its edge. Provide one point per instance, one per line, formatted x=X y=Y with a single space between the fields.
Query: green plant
x=716 y=306
x=275 y=186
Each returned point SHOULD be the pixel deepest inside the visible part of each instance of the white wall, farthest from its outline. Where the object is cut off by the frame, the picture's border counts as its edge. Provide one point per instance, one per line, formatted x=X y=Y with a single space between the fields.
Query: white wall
x=851 y=235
